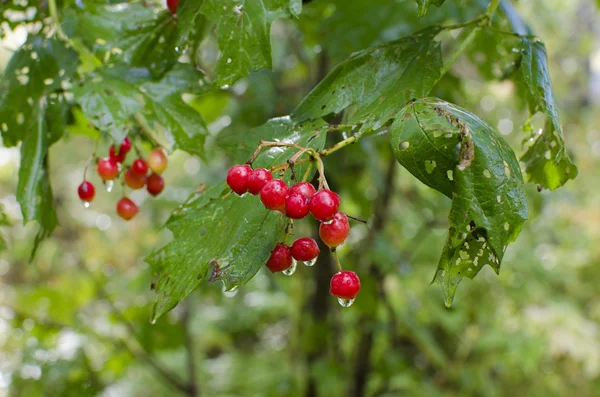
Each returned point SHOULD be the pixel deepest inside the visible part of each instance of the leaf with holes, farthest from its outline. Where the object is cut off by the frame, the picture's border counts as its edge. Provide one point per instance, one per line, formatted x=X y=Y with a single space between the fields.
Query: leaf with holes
x=424 y=5
x=229 y=236
x=456 y=153
x=373 y=84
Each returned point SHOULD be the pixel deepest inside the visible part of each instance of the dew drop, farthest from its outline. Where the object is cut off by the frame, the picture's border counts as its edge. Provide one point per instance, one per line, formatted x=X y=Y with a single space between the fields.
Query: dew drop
x=345 y=302
x=329 y=222
x=403 y=146
x=153 y=321
x=108 y=185
x=231 y=292
x=86 y=204
x=229 y=60
x=310 y=262
x=292 y=269
x=244 y=194
x=487 y=173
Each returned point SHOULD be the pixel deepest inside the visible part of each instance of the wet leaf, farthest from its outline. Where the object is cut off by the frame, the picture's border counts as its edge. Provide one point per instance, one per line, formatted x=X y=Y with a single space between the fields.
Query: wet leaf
x=424 y=5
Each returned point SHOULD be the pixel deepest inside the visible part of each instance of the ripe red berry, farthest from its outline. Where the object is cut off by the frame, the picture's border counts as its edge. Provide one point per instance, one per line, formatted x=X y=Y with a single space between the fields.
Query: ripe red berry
x=237 y=178
x=273 y=195
x=280 y=259
x=258 y=179
x=305 y=249
x=126 y=208
x=304 y=188
x=107 y=169
x=156 y=184
x=172 y=6
x=296 y=206
x=324 y=204
x=134 y=180
x=344 y=285
x=86 y=191
x=117 y=158
x=157 y=161
x=125 y=146
x=335 y=232
x=140 y=167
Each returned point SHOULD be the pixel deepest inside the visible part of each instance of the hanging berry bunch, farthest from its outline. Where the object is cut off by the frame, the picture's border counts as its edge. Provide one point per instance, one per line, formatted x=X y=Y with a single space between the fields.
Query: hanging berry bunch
x=140 y=173
x=296 y=202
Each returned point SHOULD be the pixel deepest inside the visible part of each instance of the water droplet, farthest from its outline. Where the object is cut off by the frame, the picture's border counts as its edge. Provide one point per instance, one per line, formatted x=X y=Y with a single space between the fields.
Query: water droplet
x=244 y=194
x=231 y=292
x=311 y=262
x=108 y=185
x=153 y=321
x=229 y=60
x=345 y=302
x=120 y=167
x=292 y=269
x=329 y=222
x=404 y=145
x=86 y=204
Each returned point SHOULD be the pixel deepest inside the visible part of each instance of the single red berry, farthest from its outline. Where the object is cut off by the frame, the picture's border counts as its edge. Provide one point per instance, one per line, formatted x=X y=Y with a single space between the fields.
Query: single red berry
x=324 y=204
x=126 y=208
x=305 y=249
x=156 y=184
x=304 y=188
x=273 y=195
x=296 y=206
x=335 y=232
x=107 y=169
x=172 y=6
x=134 y=180
x=344 y=285
x=258 y=179
x=157 y=161
x=116 y=157
x=280 y=259
x=125 y=146
x=237 y=178
x=140 y=167
x=86 y=191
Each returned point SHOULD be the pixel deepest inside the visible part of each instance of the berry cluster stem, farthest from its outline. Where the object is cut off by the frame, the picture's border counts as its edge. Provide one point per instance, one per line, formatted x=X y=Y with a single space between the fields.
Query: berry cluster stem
x=337 y=260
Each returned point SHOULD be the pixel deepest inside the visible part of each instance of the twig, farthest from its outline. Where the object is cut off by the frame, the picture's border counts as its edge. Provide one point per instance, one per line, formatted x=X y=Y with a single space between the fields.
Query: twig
x=189 y=347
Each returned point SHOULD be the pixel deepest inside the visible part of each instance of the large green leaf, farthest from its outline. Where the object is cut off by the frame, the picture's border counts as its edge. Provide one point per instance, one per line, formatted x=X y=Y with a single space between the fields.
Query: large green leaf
x=110 y=97
x=456 y=153
x=424 y=5
x=376 y=82
x=237 y=233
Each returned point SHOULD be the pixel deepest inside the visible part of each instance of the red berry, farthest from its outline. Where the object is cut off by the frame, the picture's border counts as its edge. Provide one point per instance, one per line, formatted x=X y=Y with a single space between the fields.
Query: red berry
x=86 y=191
x=305 y=249
x=126 y=208
x=344 y=285
x=237 y=178
x=280 y=259
x=296 y=206
x=157 y=161
x=140 y=167
x=258 y=179
x=172 y=6
x=134 y=180
x=273 y=195
x=335 y=232
x=125 y=146
x=156 y=184
x=117 y=158
x=324 y=204
x=304 y=188
x=107 y=169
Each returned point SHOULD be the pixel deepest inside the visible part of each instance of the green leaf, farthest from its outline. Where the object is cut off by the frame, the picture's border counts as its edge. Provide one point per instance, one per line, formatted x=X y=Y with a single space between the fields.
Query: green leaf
x=547 y=161
x=237 y=233
x=424 y=5
x=456 y=153
x=111 y=97
x=376 y=82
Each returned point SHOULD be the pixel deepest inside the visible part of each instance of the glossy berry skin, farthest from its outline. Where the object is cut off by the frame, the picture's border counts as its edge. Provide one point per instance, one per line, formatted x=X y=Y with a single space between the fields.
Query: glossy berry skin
x=156 y=184
x=86 y=191
x=126 y=208
x=157 y=161
x=305 y=249
x=117 y=158
x=344 y=285
x=324 y=204
x=280 y=259
x=334 y=233
x=107 y=169
x=134 y=180
x=125 y=146
x=258 y=179
x=304 y=188
x=273 y=195
x=140 y=167
x=296 y=206
x=172 y=6
x=237 y=178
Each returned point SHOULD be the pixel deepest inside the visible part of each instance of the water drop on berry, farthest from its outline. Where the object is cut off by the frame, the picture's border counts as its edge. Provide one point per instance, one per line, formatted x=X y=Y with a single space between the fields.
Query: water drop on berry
x=292 y=269
x=243 y=195
x=329 y=222
x=310 y=262
x=345 y=302
x=108 y=185
x=86 y=204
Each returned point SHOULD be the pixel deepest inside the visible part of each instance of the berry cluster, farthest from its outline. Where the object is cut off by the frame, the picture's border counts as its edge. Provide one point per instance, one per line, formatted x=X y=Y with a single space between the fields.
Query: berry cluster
x=296 y=202
x=135 y=176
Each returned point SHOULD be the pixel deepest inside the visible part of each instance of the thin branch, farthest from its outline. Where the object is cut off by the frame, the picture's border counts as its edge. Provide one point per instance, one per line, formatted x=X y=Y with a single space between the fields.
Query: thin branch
x=189 y=347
